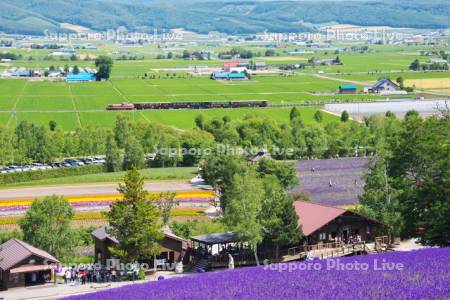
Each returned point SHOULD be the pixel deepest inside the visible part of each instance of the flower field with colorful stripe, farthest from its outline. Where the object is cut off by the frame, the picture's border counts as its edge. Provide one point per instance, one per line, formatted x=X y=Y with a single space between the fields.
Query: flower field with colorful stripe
x=425 y=274
x=17 y=207
x=86 y=218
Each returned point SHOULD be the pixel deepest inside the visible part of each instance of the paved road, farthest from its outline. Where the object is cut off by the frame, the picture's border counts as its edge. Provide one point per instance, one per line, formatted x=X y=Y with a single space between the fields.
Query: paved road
x=90 y=189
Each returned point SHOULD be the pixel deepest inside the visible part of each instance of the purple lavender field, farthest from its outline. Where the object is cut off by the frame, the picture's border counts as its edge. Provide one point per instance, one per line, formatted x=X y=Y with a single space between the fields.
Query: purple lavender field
x=344 y=174
x=425 y=275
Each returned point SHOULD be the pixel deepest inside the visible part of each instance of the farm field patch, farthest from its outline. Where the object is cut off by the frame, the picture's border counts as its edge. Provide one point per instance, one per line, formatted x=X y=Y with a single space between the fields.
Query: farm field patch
x=7 y=102
x=75 y=104
x=4 y=118
x=441 y=91
x=373 y=77
x=45 y=103
x=66 y=120
x=429 y=83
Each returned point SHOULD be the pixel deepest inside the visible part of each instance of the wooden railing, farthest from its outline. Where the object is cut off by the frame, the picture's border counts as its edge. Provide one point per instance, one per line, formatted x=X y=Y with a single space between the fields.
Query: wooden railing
x=382 y=240
x=322 y=246
x=320 y=250
x=294 y=251
x=327 y=250
x=382 y=243
x=244 y=257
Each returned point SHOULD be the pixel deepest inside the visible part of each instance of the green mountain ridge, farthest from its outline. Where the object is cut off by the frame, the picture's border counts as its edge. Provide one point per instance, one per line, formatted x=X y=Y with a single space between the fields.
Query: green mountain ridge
x=233 y=17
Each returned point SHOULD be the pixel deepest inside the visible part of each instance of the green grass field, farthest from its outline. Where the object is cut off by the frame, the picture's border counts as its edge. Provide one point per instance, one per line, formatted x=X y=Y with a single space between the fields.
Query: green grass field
x=81 y=104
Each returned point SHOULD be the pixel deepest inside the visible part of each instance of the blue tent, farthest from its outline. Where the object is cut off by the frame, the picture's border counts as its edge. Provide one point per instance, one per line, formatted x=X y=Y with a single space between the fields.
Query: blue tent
x=229 y=76
x=80 y=77
x=348 y=88
x=221 y=75
x=237 y=76
x=23 y=73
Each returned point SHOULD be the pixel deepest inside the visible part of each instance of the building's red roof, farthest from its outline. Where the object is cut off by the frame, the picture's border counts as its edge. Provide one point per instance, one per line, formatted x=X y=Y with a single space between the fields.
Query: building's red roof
x=230 y=64
x=314 y=216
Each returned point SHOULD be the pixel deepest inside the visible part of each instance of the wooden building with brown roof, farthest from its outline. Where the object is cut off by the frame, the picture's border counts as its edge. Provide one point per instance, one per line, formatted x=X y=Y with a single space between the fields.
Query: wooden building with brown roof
x=173 y=248
x=322 y=223
x=24 y=265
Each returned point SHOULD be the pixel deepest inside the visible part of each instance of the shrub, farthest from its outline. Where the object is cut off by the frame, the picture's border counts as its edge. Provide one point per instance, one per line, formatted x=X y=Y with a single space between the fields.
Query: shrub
x=141 y=274
x=17 y=177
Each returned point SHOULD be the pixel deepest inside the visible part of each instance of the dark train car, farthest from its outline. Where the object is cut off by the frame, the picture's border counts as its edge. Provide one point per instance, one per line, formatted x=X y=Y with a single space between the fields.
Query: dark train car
x=152 y=105
x=250 y=103
x=188 y=105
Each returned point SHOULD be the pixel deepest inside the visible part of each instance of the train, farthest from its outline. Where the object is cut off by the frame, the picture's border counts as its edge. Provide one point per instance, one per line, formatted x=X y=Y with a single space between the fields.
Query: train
x=187 y=105
x=123 y=106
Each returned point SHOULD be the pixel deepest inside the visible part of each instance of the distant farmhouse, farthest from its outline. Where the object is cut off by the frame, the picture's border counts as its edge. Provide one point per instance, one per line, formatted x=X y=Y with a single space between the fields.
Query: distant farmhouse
x=326 y=62
x=230 y=64
x=260 y=66
x=238 y=69
x=383 y=85
x=348 y=89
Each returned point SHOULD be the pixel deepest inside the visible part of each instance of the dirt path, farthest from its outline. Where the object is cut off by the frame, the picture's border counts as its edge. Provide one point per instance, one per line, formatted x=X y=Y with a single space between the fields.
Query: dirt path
x=341 y=80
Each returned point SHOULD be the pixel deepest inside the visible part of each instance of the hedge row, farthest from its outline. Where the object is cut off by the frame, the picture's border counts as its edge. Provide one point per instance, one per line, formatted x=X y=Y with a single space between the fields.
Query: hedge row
x=11 y=178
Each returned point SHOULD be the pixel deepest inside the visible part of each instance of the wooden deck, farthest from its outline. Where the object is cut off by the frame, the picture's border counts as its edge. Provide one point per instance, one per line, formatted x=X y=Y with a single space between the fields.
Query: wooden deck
x=318 y=251
x=336 y=249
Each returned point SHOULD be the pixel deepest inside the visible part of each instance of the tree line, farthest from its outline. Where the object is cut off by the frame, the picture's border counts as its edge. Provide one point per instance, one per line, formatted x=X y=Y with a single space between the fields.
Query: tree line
x=144 y=144
x=432 y=66
x=124 y=145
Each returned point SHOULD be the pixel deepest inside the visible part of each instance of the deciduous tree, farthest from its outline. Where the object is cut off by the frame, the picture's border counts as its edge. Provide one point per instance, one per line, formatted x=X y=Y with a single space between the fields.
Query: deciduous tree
x=104 y=67
x=47 y=225
x=113 y=155
x=134 y=155
x=243 y=209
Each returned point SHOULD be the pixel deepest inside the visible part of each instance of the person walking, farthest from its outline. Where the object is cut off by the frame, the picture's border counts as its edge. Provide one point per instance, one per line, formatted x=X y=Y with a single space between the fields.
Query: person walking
x=113 y=275
x=67 y=276
x=83 y=277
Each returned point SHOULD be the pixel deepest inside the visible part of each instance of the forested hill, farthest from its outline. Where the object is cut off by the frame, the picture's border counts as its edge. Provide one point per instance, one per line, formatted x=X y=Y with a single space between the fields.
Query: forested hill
x=34 y=16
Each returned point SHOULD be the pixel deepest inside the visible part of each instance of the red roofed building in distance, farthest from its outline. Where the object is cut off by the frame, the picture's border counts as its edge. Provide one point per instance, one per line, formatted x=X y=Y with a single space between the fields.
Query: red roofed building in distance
x=230 y=64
